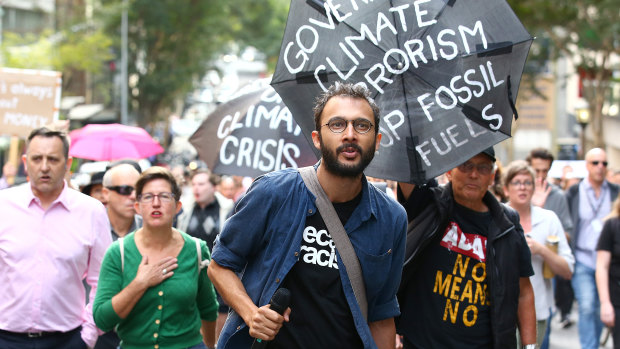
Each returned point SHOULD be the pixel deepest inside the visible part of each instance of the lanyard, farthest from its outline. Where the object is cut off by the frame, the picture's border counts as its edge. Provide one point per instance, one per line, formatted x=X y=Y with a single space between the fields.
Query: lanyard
x=600 y=201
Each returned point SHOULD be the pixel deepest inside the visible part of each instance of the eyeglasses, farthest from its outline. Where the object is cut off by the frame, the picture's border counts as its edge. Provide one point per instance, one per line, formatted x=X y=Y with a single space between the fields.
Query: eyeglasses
x=483 y=168
x=596 y=163
x=149 y=197
x=122 y=189
x=338 y=125
x=525 y=184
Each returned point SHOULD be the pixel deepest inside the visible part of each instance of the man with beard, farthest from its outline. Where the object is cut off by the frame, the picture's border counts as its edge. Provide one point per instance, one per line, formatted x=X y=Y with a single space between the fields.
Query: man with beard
x=277 y=238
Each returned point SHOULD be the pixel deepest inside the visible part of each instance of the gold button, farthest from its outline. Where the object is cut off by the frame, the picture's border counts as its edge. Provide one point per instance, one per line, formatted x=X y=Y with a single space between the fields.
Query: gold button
x=238 y=328
x=296 y=254
x=157 y=321
x=159 y=307
x=277 y=280
x=310 y=211
x=161 y=293
x=156 y=346
x=155 y=335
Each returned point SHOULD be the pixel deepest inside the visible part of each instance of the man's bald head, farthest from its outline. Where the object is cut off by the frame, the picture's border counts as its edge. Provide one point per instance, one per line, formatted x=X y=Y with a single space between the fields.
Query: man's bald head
x=118 y=171
x=596 y=164
x=119 y=184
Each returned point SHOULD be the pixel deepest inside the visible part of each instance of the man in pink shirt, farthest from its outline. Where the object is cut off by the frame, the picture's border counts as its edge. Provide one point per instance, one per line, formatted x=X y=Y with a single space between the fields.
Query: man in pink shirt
x=51 y=238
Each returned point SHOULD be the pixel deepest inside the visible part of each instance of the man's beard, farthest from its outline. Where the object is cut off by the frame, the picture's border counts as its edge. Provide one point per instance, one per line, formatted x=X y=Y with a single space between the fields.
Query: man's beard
x=330 y=160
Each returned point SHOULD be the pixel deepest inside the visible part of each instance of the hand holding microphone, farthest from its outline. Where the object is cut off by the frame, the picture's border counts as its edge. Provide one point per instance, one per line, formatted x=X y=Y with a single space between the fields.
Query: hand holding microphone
x=263 y=321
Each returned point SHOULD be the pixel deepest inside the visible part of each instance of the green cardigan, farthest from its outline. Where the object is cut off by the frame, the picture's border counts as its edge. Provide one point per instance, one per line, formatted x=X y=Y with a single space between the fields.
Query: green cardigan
x=168 y=315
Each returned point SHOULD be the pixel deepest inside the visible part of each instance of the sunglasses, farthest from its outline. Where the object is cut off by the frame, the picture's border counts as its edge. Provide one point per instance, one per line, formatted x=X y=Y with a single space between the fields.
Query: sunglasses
x=122 y=189
x=595 y=163
x=483 y=168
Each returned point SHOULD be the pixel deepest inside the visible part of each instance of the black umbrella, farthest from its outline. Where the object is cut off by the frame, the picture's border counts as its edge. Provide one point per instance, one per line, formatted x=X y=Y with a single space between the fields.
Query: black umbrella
x=250 y=135
x=445 y=74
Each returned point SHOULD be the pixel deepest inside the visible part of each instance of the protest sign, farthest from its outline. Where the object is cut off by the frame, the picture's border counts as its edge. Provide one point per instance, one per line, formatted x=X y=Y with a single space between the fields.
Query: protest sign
x=28 y=99
x=445 y=74
x=250 y=135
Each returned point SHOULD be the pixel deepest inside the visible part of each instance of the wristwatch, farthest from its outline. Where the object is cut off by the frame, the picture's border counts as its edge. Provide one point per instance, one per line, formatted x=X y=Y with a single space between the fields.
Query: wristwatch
x=529 y=346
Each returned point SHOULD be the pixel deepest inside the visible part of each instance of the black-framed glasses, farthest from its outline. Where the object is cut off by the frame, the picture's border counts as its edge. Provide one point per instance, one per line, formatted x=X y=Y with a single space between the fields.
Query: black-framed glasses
x=122 y=189
x=596 y=163
x=338 y=125
x=483 y=168
x=149 y=197
x=525 y=184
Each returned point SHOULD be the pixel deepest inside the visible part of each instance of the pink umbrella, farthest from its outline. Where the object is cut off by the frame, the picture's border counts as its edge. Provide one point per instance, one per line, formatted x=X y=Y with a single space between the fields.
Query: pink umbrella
x=112 y=142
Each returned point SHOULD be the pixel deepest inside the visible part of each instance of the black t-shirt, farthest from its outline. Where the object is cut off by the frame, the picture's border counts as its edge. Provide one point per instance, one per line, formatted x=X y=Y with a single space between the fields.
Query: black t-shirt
x=320 y=315
x=205 y=223
x=449 y=290
x=610 y=241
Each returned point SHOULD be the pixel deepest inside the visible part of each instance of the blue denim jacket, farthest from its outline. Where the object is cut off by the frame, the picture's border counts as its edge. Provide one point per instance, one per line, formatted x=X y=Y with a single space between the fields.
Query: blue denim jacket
x=262 y=240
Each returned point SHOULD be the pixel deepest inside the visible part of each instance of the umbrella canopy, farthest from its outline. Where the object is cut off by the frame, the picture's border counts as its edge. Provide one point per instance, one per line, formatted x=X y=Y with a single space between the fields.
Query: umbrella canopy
x=250 y=135
x=445 y=74
x=106 y=142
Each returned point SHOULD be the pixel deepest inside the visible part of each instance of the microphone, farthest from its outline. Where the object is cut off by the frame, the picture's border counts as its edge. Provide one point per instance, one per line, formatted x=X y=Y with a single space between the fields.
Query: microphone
x=279 y=302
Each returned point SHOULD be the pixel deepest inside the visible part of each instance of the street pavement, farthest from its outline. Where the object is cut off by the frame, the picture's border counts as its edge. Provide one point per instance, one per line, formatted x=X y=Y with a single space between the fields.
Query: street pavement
x=568 y=338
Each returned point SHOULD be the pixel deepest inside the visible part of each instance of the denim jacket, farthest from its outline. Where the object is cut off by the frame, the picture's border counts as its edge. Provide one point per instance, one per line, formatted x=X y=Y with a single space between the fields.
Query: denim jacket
x=262 y=240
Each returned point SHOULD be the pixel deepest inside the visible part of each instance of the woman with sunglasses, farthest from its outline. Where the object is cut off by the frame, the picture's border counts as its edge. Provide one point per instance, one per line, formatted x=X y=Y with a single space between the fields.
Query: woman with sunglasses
x=541 y=227
x=608 y=271
x=151 y=285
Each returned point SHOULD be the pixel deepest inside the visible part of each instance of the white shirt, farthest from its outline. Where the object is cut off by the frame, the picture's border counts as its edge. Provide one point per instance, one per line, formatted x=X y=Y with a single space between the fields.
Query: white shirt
x=546 y=223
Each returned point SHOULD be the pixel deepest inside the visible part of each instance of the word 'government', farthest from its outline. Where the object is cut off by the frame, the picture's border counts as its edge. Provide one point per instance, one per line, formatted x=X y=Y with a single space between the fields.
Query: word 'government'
x=447 y=44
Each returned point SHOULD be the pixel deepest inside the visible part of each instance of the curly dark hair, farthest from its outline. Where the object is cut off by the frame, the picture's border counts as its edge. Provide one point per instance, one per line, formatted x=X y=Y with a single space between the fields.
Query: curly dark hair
x=345 y=90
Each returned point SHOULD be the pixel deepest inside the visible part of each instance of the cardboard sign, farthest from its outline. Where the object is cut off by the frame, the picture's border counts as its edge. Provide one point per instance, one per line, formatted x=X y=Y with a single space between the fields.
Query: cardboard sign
x=28 y=99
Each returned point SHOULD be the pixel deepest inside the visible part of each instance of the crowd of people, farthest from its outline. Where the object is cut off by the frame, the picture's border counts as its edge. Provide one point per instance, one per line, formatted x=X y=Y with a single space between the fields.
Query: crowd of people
x=167 y=258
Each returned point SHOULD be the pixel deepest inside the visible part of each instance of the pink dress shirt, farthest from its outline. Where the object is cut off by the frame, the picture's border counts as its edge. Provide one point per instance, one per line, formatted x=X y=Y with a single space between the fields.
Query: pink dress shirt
x=45 y=255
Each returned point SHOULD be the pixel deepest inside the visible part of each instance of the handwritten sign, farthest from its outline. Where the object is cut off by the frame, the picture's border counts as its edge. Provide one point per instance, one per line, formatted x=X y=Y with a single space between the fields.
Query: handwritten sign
x=427 y=63
x=28 y=99
x=252 y=135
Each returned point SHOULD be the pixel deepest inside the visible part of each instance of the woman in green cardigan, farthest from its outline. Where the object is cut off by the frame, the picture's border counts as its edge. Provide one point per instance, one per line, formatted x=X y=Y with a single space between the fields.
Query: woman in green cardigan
x=151 y=285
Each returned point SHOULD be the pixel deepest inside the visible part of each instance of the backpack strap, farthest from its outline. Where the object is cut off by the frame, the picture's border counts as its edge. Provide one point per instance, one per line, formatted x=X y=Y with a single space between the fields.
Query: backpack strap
x=201 y=264
x=122 y=248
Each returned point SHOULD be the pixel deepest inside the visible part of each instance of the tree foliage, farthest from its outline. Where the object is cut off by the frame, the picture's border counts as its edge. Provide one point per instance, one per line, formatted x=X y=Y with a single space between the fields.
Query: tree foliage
x=172 y=43
x=169 y=43
x=585 y=31
x=66 y=51
x=260 y=23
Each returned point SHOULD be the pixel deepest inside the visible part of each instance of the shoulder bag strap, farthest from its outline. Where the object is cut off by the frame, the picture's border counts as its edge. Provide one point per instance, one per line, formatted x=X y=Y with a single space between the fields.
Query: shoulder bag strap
x=201 y=264
x=340 y=237
x=121 y=245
